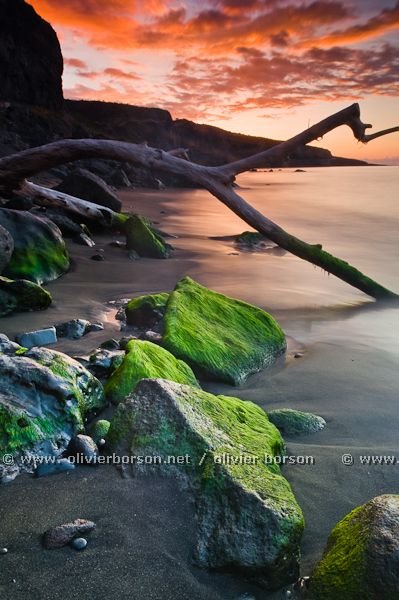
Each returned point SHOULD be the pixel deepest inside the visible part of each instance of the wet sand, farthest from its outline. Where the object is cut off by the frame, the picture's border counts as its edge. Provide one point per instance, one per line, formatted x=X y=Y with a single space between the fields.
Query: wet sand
x=348 y=373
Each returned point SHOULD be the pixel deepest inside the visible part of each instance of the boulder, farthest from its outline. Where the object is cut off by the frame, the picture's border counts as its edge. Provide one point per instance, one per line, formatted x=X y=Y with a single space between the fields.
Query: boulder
x=87 y=186
x=219 y=337
x=84 y=448
x=74 y=329
x=40 y=337
x=146 y=311
x=144 y=360
x=22 y=296
x=40 y=254
x=142 y=239
x=31 y=62
x=6 y=248
x=247 y=517
x=361 y=559
x=45 y=397
x=295 y=422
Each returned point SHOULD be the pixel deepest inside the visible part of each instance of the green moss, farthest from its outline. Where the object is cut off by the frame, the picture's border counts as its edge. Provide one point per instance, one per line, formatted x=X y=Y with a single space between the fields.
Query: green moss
x=38 y=263
x=145 y=360
x=146 y=310
x=342 y=572
x=295 y=422
x=25 y=295
x=219 y=337
x=100 y=429
x=141 y=238
x=19 y=431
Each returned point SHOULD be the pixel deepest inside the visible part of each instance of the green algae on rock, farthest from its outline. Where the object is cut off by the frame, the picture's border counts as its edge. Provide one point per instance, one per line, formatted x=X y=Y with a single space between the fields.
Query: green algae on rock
x=44 y=399
x=143 y=239
x=361 y=559
x=247 y=516
x=219 y=337
x=100 y=429
x=145 y=360
x=22 y=295
x=146 y=311
x=295 y=422
x=40 y=254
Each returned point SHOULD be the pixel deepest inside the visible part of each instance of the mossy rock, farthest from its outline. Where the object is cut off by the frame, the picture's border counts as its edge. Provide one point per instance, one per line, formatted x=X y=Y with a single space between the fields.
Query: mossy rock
x=143 y=239
x=100 y=429
x=247 y=516
x=296 y=422
x=361 y=559
x=145 y=360
x=219 y=337
x=40 y=254
x=44 y=399
x=146 y=311
x=250 y=238
x=22 y=296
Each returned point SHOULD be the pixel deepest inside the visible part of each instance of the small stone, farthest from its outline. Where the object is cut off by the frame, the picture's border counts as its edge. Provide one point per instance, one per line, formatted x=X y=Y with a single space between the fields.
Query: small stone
x=95 y=327
x=3 y=550
x=40 y=337
x=97 y=257
x=73 y=329
x=110 y=345
x=133 y=255
x=117 y=244
x=151 y=336
x=298 y=355
x=79 y=543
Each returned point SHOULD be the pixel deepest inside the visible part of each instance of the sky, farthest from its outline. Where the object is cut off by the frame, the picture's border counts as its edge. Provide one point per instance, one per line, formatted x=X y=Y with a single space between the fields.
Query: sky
x=263 y=67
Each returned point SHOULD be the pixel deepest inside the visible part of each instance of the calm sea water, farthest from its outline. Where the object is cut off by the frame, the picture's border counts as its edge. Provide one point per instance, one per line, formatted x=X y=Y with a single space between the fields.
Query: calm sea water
x=352 y=211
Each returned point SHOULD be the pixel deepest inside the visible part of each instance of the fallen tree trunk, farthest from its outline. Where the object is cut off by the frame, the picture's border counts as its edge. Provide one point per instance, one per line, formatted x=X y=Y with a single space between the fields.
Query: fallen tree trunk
x=217 y=180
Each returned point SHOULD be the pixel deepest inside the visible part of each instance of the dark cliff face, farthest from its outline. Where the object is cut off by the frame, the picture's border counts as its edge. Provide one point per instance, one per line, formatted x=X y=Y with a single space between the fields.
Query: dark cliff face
x=31 y=62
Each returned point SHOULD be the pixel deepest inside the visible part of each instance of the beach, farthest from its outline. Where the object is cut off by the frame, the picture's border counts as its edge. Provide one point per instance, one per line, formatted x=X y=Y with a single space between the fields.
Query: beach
x=342 y=363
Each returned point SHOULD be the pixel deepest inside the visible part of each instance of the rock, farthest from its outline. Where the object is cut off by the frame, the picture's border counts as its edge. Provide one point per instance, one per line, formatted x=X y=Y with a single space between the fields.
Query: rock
x=146 y=311
x=295 y=422
x=151 y=336
x=3 y=550
x=111 y=344
x=31 y=62
x=8 y=347
x=40 y=254
x=22 y=296
x=219 y=337
x=40 y=337
x=97 y=257
x=100 y=430
x=45 y=397
x=53 y=468
x=79 y=544
x=6 y=248
x=87 y=186
x=83 y=446
x=247 y=516
x=60 y=536
x=74 y=329
x=250 y=239
x=361 y=559
x=144 y=360
x=142 y=239
x=103 y=362
x=93 y=327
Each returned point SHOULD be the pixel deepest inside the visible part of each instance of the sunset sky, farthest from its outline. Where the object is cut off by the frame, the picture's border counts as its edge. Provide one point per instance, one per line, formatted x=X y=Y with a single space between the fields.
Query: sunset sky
x=263 y=67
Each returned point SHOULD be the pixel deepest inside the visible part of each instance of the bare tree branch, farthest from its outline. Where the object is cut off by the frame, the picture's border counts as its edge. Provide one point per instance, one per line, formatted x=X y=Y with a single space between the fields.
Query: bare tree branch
x=217 y=180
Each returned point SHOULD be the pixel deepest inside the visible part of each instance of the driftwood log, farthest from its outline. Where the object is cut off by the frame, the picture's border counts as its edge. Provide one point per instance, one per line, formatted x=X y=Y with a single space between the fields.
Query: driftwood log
x=218 y=181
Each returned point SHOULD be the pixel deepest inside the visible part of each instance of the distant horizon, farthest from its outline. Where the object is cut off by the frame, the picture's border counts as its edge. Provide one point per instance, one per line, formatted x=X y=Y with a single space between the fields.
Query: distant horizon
x=268 y=68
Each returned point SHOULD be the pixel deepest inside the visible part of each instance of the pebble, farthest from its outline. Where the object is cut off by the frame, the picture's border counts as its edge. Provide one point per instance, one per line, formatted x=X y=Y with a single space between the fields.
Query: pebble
x=97 y=257
x=3 y=550
x=79 y=543
x=298 y=355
